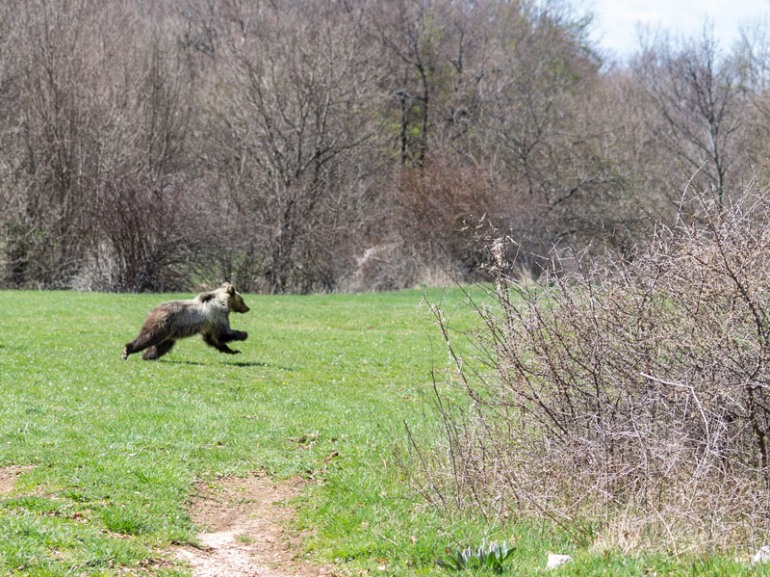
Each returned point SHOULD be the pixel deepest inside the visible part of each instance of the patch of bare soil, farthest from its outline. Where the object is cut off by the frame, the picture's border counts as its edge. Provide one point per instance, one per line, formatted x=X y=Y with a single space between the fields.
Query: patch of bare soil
x=8 y=476
x=247 y=530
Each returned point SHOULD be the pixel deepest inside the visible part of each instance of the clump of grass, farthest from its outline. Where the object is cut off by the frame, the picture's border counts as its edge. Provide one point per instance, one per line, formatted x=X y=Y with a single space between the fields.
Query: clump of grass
x=121 y=521
x=245 y=539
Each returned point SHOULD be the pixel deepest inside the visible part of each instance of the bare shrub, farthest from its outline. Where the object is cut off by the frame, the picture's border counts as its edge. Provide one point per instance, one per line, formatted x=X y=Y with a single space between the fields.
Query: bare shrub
x=153 y=238
x=629 y=402
x=437 y=212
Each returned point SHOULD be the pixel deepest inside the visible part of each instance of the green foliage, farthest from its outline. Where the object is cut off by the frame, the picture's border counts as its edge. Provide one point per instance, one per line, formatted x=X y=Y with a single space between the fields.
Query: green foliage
x=485 y=557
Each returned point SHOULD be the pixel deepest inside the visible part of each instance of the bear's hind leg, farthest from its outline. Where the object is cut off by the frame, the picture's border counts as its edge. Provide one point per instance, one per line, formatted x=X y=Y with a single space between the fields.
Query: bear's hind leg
x=155 y=352
x=145 y=340
x=131 y=348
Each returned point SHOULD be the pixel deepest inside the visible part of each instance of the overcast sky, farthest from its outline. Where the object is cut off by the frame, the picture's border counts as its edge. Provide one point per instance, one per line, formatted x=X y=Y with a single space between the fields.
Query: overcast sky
x=615 y=21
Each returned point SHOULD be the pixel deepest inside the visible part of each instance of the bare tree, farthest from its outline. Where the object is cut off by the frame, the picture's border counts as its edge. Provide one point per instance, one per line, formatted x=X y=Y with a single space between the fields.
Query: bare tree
x=12 y=252
x=150 y=222
x=752 y=59
x=107 y=102
x=298 y=102
x=436 y=55
x=699 y=100
x=278 y=143
x=534 y=129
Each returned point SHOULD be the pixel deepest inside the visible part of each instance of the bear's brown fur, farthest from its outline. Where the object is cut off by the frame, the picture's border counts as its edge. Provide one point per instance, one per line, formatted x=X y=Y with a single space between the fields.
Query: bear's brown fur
x=207 y=314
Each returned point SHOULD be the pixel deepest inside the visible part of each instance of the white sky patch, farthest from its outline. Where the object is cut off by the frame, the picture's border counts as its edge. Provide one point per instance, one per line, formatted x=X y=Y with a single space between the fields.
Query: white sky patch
x=616 y=22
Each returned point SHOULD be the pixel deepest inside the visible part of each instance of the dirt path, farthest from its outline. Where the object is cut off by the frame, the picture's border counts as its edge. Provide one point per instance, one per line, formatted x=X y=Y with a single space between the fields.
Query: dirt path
x=246 y=535
x=245 y=522
x=8 y=477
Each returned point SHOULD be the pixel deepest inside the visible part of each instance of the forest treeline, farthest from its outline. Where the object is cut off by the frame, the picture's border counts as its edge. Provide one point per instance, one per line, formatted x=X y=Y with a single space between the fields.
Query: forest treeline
x=322 y=145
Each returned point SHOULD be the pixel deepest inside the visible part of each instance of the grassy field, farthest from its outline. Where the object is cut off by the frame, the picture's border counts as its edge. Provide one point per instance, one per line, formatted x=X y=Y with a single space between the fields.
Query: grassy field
x=115 y=447
x=117 y=444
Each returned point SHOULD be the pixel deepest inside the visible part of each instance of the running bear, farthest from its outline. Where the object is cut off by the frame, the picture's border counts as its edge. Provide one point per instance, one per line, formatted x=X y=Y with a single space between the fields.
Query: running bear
x=207 y=314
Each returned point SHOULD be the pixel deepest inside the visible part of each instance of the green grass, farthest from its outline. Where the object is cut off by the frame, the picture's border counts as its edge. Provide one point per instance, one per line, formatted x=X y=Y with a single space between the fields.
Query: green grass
x=117 y=445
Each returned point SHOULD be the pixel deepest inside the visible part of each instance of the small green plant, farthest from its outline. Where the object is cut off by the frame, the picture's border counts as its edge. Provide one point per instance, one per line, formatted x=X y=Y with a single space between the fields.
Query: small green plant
x=245 y=539
x=489 y=557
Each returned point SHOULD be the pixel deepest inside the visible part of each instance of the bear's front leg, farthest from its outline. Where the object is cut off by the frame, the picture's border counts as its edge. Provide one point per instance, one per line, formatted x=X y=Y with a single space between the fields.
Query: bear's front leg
x=221 y=347
x=233 y=336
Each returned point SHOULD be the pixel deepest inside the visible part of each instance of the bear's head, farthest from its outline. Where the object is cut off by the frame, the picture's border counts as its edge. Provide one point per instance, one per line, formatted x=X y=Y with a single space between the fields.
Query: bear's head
x=235 y=301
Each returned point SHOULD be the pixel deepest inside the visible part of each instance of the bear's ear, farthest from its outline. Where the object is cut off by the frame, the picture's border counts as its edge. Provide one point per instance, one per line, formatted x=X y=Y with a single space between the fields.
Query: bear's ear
x=230 y=288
